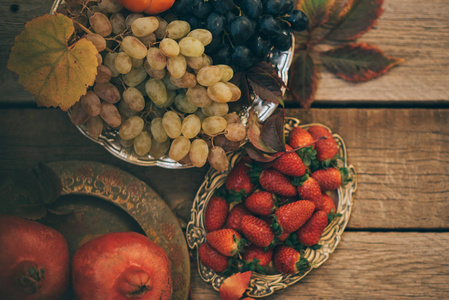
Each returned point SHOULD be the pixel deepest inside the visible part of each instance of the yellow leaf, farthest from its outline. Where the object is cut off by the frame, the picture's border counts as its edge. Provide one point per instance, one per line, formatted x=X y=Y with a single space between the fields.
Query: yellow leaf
x=56 y=73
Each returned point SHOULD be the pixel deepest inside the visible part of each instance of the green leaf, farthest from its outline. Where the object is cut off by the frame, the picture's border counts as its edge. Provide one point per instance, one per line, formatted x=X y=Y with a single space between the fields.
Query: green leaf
x=317 y=11
x=304 y=81
x=356 y=18
x=358 y=62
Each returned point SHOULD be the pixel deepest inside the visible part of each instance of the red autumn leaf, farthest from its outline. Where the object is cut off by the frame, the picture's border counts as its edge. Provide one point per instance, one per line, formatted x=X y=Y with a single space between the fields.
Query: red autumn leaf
x=253 y=132
x=257 y=155
x=358 y=62
x=265 y=82
x=272 y=132
x=234 y=286
x=304 y=79
x=317 y=11
x=356 y=18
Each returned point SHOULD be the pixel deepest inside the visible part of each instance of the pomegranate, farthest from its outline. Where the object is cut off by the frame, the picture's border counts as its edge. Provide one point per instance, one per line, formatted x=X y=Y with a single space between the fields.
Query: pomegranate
x=34 y=260
x=121 y=265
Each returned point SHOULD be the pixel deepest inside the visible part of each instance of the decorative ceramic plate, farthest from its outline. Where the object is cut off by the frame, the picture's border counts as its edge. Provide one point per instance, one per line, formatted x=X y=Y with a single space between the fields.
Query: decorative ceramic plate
x=103 y=199
x=264 y=285
x=109 y=139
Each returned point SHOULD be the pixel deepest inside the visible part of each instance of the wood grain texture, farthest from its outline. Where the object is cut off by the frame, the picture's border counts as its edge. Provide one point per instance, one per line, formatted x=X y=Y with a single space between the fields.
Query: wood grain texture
x=401 y=157
x=369 y=265
x=416 y=30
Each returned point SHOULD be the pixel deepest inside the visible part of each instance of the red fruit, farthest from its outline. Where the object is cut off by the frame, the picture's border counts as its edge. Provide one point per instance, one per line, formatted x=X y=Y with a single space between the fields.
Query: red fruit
x=257 y=231
x=288 y=261
x=274 y=181
x=300 y=137
x=216 y=213
x=226 y=241
x=328 y=204
x=291 y=217
x=34 y=260
x=238 y=179
x=150 y=7
x=212 y=258
x=255 y=252
x=121 y=265
x=310 y=233
x=234 y=286
x=260 y=203
x=235 y=217
x=328 y=179
x=326 y=148
x=283 y=236
x=289 y=163
x=310 y=190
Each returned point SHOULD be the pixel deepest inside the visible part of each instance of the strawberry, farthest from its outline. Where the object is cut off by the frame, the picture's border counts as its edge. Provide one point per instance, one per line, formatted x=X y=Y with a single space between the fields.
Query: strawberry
x=235 y=217
x=328 y=179
x=212 y=258
x=288 y=261
x=310 y=190
x=238 y=180
x=215 y=214
x=260 y=203
x=274 y=181
x=326 y=148
x=299 y=137
x=257 y=231
x=328 y=204
x=290 y=217
x=289 y=163
x=226 y=241
x=254 y=252
x=310 y=233
x=283 y=236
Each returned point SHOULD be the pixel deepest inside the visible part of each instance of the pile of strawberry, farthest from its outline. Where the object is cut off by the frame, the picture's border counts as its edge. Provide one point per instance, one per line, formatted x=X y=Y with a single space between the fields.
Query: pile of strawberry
x=272 y=214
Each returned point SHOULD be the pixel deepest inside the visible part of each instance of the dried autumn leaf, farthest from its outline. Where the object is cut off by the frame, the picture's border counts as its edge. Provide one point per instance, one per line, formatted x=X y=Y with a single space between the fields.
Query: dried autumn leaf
x=358 y=62
x=234 y=286
x=356 y=18
x=304 y=81
x=257 y=155
x=265 y=84
x=272 y=132
x=56 y=73
x=253 y=132
x=317 y=11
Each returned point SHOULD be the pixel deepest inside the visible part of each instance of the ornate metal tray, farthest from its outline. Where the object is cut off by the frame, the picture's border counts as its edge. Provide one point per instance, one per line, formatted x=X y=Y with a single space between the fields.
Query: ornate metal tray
x=264 y=285
x=103 y=199
x=109 y=138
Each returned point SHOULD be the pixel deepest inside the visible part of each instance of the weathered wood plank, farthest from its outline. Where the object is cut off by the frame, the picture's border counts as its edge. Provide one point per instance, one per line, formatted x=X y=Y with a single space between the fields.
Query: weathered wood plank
x=401 y=156
x=369 y=265
x=416 y=30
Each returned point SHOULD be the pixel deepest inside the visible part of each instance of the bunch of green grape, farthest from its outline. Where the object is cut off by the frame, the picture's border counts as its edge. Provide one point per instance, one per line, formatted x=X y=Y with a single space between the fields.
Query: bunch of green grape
x=157 y=87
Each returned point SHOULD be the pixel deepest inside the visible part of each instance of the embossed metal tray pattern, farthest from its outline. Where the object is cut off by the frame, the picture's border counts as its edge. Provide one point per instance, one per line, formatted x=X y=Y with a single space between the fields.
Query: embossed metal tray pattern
x=264 y=285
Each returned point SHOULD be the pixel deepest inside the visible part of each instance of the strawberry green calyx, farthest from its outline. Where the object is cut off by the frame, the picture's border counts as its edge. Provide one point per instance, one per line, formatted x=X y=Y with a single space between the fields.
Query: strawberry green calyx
x=277 y=228
x=298 y=181
x=332 y=215
x=302 y=266
x=241 y=244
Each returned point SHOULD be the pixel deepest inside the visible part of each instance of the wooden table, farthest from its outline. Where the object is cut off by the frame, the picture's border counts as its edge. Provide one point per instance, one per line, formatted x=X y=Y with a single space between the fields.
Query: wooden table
x=396 y=130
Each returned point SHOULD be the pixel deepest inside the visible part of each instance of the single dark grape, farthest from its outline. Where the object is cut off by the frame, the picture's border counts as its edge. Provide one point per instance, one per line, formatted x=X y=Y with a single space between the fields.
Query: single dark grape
x=222 y=55
x=269 y=25
x=195 y=22
x=215 y=23
x=223 y=6
x=201 y=8
x=260 y=46
x=241 y=29
x=287 y=7
x=215 y=44
x=298 y=20
x=182 y=8
x=252 y=8
x=230 y=17
x=243 y=57
x=282 y=41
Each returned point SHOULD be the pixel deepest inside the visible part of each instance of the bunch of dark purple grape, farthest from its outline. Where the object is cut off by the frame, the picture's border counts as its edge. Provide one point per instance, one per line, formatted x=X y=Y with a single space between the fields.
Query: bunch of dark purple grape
x=244 y=31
